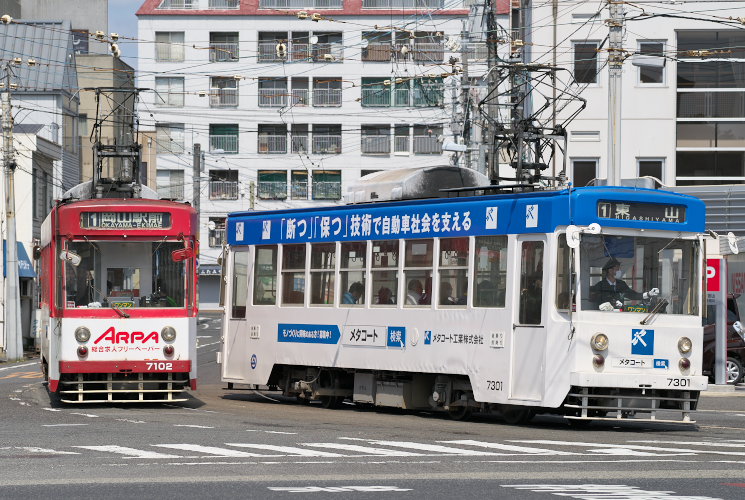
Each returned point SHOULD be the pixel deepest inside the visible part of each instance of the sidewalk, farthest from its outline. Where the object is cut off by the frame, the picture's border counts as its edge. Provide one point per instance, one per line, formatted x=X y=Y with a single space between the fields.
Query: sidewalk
x=725 y=390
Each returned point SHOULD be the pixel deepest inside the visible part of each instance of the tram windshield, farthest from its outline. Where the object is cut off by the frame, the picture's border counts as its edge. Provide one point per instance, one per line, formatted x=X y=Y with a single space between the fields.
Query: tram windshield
x=639 y=274
x=124 y=275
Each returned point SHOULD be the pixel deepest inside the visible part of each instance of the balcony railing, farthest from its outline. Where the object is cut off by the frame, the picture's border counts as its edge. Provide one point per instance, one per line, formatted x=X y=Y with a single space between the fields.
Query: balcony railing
x=272 y=190
x=401 y=144
x=223 y=190
x=427 y=145
x=326 y=144
x=299 y=143
x=224 y=143
x=301 y=4
x=376 y=144
x=328 y=52
x=376 y=97
x=403 y=4
x=173 y=192
x=429 y=52
x=327 y=97
x=299 y=190
x=225 y=4
x=477 y=51
x=217 y=236
x=299 y=51
x=300 y=97
x=327 y=190
x=168 y=52
x=224 y=52
x=272 y=144
x=377 y=52
x=272 y=98
x=268 y=52
x=223 y=98
x=179 y=4
x=401 y=96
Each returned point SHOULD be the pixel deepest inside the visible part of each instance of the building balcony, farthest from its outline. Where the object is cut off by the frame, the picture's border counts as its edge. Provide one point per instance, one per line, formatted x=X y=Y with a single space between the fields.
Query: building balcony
x=301 y=4
x=223 y=190
x=224 y=4
x=224 y=52
x=327 y=52
x=376 y=145
x=377 y=52
x=272 y=98
x=299 y=97
x=326 y=144
x=327 y=190
x=179 y=4
x=268 y=52
x=401 y=144
x=223 y=98
x=427 y=145
x=429 y=52
x=300 y=51
x=272 y=144
x=272 y=190
x=299 y=190
x=216 y=238
x=403 y=4
x=376 y=97
x=223 y=143
x=299 y=143
x=477 y=51
x=327 y=97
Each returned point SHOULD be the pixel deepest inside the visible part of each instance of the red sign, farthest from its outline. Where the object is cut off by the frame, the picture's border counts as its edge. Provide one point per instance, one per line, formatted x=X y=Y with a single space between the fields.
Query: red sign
x=712 y=275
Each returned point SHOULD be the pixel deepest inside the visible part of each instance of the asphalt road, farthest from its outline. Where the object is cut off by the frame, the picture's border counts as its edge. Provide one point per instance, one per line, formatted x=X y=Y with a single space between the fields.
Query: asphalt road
x=249 y=444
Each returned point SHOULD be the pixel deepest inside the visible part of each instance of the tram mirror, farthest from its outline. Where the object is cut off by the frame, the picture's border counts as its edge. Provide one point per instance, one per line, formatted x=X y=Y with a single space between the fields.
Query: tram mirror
x=737 y=326
x=182 y=254
x=36 y=252
x=70 y=257
x=573 y=236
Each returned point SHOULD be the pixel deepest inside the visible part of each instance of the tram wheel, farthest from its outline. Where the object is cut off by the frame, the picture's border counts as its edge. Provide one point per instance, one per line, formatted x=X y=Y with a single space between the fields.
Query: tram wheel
x=331 y=402
x=515 y=414
x=459 y=412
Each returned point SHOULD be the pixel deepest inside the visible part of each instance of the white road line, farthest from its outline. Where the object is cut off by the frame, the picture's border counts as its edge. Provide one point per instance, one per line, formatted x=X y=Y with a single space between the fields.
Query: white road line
x=207 y=345
x=436 y=448
x=130 y=421
x=34 y=449
x=290 y=450
x=693 y=443
x=18 y=366
x=51 y=409
x=632 y=449
x=194 y=426
x=85 y=415
x=129 y=452
x=521 y=450
x=61 y=425
x=365 y=450
x=279 y=432
x=211 y=450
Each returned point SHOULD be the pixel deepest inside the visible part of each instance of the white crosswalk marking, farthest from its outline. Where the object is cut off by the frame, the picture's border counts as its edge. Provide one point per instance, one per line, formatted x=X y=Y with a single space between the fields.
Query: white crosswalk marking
x=130 y=452
x=521 y=450
x=289 y=450
x=628 y=449
x=436 y=448
x=211 y=450
x=365 y=450
x=34 y=449
x=693 y=443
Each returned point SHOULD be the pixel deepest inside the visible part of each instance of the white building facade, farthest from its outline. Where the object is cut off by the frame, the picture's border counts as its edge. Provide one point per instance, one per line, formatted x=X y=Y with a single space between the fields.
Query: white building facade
x=291 y=100
x=682 y=92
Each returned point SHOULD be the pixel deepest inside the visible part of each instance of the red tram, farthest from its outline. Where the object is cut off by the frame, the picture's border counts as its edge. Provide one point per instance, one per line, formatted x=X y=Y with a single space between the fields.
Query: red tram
x=119 y=300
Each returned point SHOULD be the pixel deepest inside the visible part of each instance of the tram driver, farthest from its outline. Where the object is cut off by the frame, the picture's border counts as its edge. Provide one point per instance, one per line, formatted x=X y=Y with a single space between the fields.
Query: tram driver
x=610 y=292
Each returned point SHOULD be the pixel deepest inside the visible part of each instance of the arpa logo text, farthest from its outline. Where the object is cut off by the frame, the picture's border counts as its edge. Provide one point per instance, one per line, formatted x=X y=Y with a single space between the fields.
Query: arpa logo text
x=126 y=337
x=642 y=341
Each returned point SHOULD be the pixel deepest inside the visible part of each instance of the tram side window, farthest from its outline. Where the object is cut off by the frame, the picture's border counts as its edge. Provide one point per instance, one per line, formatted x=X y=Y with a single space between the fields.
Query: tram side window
x=322 y=273
x=240 y=284
x=418 y=272
x=265 y=275
x=293 y=274
x=491 y=271
x=531 y=282
x=385 y=273
x=453 y=282
x=563 y=278
x=352 y=273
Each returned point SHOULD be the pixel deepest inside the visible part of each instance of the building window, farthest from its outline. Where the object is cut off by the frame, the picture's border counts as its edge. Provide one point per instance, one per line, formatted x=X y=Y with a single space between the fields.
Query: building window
x=429 y=47
x=426 y=140
x=584 y=172
x=299 y=186
x=299 y=95
x=429 y=92
x=327 y=185
x=223 y=92
x=401 y=140
x=223 y=138
x=169 y=92
x=300 y=138
x=179 y=4
x=169 y=138
x=272 y=184
x=272 y=92
x=651 y=167
x=224 y=47
x=376 y=139
x=297 y=4
x=327 y=92
x=223 y=184
x=273 y=46
x=377 y=46
x=169 y=46
x=216 y=229
x=80 y=39
x=326 y=139
x=83 y=124
x=376 y=92
x=170 y=184
x=225 y=4
x=652 y=74
x=272 y=139
x=42 y=191
x=710 y=167
x=586 y=62
x=327 y=48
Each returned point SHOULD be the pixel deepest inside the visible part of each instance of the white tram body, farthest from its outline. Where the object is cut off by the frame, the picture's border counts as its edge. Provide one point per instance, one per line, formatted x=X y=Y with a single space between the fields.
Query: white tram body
x=515 y=321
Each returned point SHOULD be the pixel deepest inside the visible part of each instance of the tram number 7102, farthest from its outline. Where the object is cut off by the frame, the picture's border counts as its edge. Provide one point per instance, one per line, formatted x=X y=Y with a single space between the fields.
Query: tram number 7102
x=159 y=366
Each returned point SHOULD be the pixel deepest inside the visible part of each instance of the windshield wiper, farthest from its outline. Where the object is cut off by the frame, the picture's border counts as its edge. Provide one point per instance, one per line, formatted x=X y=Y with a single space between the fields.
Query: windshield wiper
x=121 y=313
x=654 y=312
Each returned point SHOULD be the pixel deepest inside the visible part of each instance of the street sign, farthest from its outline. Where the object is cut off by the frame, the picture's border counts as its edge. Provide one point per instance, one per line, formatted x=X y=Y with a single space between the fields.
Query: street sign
x=712 y=275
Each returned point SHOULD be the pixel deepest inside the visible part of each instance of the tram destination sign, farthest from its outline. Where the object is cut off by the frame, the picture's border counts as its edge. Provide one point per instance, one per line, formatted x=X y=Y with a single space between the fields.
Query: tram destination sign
x=650 y=212
x=125 y=220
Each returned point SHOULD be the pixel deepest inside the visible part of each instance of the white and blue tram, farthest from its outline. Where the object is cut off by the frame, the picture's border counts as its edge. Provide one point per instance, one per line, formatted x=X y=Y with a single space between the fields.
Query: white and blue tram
x=584 y=302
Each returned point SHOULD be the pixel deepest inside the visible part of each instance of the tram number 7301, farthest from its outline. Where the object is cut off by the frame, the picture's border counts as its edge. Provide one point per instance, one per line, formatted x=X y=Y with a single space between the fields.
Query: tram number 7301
x=494 y=385
x=159 y=366
x=678 y=382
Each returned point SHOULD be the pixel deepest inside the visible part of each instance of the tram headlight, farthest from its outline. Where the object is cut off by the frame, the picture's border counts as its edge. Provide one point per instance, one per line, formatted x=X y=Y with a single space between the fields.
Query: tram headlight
x=82 y=334
x=599 y=342
x=685 y=345
x=168 y=333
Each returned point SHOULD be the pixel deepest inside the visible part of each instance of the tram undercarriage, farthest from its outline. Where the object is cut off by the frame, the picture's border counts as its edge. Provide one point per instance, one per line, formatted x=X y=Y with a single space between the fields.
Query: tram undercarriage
x=123 y=387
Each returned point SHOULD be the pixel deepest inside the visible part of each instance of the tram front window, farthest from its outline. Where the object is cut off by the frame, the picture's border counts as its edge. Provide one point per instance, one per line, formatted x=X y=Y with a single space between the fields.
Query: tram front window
x=639 y=274
x=124 y=275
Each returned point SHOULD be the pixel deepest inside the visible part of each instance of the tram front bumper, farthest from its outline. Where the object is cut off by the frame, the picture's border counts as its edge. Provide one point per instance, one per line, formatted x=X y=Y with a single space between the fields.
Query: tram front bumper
x=666 y=381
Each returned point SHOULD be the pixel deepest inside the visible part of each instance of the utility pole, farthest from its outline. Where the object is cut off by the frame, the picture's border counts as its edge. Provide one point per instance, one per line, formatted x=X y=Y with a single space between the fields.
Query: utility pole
x=14 y=341
x=615 y=67
x=195 y=183
x=465 y=92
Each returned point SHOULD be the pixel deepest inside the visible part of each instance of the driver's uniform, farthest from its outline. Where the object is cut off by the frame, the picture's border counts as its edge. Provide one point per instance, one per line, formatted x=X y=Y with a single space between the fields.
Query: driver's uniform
x=605 y=291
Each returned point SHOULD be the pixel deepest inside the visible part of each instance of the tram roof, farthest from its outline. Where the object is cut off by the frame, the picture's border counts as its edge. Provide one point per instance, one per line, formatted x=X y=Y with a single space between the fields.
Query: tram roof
x=509 y=213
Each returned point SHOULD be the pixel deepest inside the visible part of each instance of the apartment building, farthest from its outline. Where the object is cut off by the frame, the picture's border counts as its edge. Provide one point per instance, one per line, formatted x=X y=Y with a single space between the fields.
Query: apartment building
x=682 y=92
x=291 y=100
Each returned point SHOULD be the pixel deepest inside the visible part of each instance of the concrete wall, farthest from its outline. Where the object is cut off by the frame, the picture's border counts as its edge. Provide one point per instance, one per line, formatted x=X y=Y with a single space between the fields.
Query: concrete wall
x=91 y=15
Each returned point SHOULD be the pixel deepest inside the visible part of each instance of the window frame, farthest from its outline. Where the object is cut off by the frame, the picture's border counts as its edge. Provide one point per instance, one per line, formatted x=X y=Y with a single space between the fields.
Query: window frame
x=598 y=65
x=663 y=70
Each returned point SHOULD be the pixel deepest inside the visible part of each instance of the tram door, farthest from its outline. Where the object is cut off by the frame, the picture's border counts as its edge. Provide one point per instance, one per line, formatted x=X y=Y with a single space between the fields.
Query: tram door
x=529 y=330
x=236 y=332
